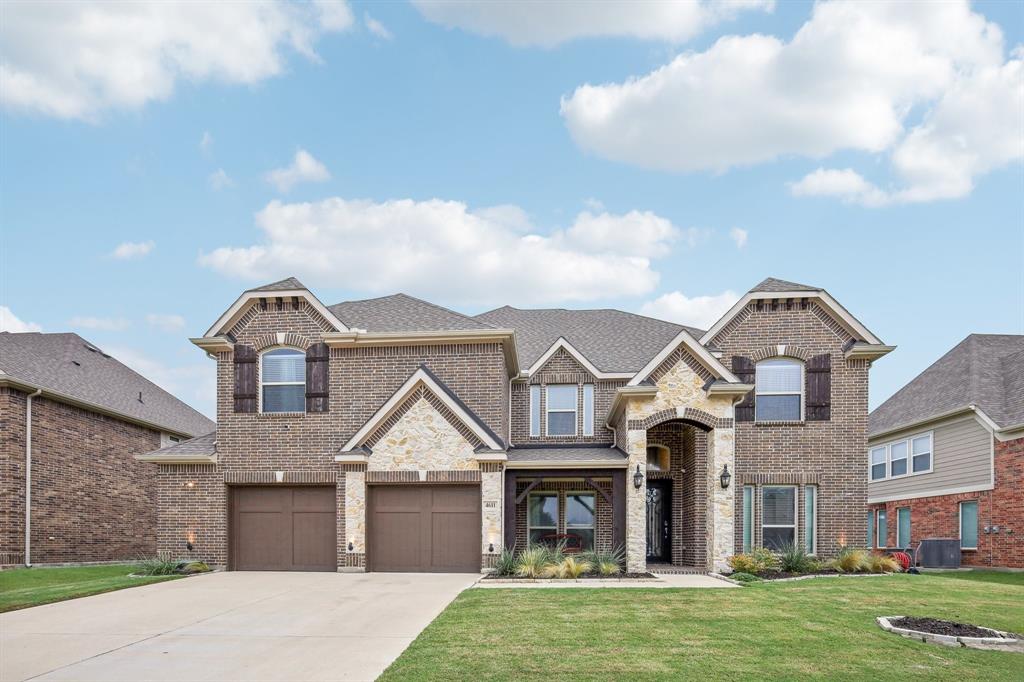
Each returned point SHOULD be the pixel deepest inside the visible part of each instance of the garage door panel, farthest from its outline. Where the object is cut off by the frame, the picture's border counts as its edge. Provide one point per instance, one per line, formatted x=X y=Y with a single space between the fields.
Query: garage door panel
x=276 y=528
x=455 y=540
x=399 y=542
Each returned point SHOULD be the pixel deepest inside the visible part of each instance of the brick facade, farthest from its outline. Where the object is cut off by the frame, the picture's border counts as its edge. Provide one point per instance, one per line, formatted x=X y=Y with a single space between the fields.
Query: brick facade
x=830 y=452
x=91 y=501
x=1003 y=506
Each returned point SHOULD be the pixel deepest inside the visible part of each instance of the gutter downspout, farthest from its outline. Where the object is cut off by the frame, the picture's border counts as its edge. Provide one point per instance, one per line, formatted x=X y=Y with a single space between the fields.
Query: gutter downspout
x=28 y=476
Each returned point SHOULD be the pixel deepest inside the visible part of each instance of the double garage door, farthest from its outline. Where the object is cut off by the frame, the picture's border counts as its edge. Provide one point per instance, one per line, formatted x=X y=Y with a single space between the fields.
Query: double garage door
x=414 y=528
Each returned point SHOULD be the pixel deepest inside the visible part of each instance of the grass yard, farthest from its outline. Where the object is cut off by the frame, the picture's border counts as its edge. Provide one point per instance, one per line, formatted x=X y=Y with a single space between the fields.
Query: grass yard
x=24 y=587
x=822 y=628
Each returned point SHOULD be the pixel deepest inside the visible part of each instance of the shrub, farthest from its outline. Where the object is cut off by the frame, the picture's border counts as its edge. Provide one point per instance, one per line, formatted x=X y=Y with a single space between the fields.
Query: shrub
x=607 y=568
x=758 y=562
x=793 y=559
x=605 y=562
x=850 y=560
x=531 y=562
x=569 y=567
x=192 y=567
x=744 y=577
x=161 y=564
x=880 y=563
x=505 y=562
x=743 y=563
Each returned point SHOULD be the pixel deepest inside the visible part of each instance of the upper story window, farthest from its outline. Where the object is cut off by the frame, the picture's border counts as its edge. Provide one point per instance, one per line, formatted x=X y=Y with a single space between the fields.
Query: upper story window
x=658 y=458
x=283 y=381
x=903 y=457
x=779 y=390
x=562 y=403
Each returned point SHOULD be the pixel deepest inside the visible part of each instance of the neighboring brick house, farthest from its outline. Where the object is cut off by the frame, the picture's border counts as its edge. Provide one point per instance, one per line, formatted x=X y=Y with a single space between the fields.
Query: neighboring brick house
x=393 y=434
x=71 y=419
x=946 y=455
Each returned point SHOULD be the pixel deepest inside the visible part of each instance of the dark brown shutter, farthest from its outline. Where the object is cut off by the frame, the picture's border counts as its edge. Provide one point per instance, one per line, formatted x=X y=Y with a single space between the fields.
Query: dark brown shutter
x=245 y=378
x=819 y=388
x=743 y=368
x=318 y=357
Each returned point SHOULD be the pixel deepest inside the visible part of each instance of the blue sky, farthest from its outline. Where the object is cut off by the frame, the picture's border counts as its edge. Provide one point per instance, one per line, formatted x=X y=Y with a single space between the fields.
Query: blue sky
x=658 y=161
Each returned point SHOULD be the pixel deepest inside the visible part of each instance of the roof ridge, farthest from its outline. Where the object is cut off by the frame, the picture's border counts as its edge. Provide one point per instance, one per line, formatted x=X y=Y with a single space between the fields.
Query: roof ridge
x=446 y=309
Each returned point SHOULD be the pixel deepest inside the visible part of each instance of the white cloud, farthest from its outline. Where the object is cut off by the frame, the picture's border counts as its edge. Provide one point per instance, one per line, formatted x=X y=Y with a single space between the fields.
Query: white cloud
x=129 y=250
x=846 y=184
x=107 y=324
x=219 y=179
x=196 y=384
x=376 y=28
x=442 y=249
x=76 y=60
x=166 y=322
x=304 y=168
x=856 y=76
x=9 y=322
x=547 y=24
x=206 y=143
x=739 y=237
x=698 y=311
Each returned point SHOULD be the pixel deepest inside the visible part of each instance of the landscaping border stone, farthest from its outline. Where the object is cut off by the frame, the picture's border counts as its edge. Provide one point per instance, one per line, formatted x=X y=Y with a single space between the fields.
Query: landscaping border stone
x=1000 y=638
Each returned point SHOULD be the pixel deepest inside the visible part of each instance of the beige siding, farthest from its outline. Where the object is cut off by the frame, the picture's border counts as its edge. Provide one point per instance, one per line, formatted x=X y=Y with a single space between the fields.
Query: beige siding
x=962 y=458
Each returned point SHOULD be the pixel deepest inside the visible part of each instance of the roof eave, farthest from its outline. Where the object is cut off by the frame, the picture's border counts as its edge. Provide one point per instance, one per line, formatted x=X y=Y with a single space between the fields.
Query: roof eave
x=963 y=409
x=176 y=459
x=214 y=344
x=237 y=309
x=567 y=464
x=698 y=351
x=867 y=351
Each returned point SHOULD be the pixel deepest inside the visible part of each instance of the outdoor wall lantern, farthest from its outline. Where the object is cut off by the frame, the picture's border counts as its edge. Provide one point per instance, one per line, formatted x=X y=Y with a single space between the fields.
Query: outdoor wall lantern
x=490 y=548
x=726 y=476
x=350 y=546
x=189 y=540
x=638 y=478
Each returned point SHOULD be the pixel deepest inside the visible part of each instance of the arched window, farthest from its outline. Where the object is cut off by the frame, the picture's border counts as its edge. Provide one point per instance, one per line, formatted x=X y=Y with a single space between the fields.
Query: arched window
x=779 y=384
x=283 y=380
x=657 y=458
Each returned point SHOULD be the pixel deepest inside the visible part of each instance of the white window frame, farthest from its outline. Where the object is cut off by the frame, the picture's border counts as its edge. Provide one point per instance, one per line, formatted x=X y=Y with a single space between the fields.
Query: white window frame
x=558 y=513
x=902 y=542
x=881 y=538
x=909 y=440
x=801 y=393
x=752 y=528
x=575 y=412
x=262 y=383
x=796 y=513
x=535 y=414
x=960 y=525
x=565 y=509
x=588 y=410
x=814 y=526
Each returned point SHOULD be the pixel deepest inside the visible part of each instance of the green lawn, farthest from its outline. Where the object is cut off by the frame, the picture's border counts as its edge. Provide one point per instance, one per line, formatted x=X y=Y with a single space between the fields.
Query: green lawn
x=22 y=587
x=820 y=628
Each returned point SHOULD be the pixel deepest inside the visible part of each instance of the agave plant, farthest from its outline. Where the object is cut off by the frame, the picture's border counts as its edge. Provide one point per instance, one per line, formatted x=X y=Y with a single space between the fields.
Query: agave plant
x=531 y=562
x=505 y=562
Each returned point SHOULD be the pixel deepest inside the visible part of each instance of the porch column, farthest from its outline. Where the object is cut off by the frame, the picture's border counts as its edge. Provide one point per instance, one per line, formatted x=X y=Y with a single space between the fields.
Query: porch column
x=636 y=502
x=722 y=502
x=355 y=517
x=509 y=502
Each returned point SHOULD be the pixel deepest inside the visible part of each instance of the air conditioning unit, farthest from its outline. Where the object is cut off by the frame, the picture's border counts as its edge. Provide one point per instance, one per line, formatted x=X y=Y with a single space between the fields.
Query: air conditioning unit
x=938 y=553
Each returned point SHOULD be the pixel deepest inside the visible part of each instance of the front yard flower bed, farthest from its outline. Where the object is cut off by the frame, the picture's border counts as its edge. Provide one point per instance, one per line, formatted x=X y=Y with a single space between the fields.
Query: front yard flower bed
x=945 y=632
x=792 y=563
x=543 y=562
x=582 y=578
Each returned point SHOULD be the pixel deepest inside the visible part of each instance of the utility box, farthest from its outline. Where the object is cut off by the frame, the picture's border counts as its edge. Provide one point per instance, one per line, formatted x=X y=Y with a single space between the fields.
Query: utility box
x=939 y=553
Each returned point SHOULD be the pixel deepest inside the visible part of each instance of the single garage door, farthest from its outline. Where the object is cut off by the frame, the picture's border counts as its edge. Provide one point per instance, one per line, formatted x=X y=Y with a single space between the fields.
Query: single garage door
x=283 y=529
x=424 y=528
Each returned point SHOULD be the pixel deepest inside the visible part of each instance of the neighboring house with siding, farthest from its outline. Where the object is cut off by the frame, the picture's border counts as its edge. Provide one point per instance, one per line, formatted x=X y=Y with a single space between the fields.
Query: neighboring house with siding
x=946 y=455
x=71 y=419
x=392 y=434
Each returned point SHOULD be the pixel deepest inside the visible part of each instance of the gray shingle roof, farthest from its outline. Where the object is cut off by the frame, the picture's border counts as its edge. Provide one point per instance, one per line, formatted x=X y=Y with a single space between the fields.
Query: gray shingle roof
x=195 y=447
x=402 y=313
x=567 y=454
x=615 y=341
x=70 y=365
x=986 y=370
x=771 y=284
x=289 y=284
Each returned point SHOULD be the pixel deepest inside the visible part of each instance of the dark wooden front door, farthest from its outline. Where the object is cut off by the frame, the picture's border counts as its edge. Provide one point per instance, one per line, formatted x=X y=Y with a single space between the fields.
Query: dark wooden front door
x=283 y=529
x=423 y=528
x=659 y=520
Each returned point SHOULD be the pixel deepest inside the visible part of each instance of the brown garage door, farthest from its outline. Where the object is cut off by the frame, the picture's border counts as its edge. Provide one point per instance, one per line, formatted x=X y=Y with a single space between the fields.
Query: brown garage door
x=283 y=529
x=428 y=528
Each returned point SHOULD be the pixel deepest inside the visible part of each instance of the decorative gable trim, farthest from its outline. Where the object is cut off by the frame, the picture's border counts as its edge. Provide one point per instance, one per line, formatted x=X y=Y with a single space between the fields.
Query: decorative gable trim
x=423 y=384
x=251 y=303
x=712 y=367
x=563 y=344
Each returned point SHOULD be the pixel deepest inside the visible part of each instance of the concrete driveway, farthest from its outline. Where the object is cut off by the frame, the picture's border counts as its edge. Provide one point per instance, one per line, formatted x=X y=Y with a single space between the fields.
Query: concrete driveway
x=228 y=626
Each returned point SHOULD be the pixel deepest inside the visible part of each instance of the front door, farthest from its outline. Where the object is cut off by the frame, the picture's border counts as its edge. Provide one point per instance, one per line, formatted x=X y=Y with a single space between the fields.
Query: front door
x=659 y=520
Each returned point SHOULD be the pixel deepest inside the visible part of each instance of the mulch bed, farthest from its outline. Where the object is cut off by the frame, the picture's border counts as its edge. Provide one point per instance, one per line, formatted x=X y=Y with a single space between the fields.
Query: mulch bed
x=620 y=576
x=941 y=627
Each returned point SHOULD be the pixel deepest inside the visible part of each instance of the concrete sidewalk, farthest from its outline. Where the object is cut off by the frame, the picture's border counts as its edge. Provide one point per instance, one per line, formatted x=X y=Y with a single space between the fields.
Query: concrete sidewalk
x=662 y=582
x=228 y=626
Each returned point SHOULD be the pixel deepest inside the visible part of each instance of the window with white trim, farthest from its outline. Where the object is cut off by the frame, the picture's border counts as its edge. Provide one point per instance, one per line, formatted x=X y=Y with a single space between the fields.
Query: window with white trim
x=811 y=519
x=588 y=409
x=535 y=411
x=878 y=463
x=881 y=529
x=921 y=454
x=779 y=390
x=283 y=380
x=562 y=404
x=778 y=516
x=904 y=457
x=542 y=516
x=580 y=512
x=898 y=459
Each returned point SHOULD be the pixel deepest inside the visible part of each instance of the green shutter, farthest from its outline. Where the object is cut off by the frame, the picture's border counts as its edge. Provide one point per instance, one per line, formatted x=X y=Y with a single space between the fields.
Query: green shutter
x=810 y=522
x=748 y=518
x=969 y=525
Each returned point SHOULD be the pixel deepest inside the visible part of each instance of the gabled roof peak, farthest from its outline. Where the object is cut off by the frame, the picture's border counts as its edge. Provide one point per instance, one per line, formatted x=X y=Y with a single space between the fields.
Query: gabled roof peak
x=287 y=284
x=771 y=284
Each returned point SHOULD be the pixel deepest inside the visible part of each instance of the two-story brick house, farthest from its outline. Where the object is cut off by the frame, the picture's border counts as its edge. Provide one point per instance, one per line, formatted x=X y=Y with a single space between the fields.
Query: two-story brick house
x=393 y=434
